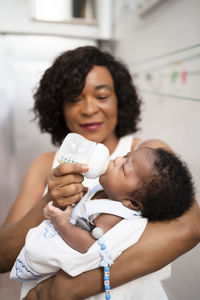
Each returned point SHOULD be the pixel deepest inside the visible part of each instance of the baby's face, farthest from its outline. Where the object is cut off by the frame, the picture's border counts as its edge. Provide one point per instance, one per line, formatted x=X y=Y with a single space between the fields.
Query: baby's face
x=126 y=174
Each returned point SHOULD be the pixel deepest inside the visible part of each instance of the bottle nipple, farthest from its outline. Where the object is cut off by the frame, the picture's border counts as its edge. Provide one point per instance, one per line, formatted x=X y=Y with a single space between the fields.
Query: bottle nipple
x=98 y=162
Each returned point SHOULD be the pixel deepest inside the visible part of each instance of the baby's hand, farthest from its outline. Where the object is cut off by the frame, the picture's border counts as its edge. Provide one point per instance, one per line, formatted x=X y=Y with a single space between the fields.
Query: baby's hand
x=50 y=211
x=56 y=215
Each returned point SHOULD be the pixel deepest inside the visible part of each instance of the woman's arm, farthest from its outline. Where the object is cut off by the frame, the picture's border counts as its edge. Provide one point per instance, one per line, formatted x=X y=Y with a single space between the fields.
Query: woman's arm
x=27 y=211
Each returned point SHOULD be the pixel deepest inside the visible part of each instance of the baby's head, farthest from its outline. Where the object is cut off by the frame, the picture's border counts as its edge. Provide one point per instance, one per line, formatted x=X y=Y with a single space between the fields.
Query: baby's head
x=154 y=181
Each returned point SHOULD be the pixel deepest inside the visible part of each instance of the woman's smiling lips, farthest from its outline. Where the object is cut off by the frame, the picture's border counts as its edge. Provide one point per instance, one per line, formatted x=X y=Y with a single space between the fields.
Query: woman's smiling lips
x=91 y=126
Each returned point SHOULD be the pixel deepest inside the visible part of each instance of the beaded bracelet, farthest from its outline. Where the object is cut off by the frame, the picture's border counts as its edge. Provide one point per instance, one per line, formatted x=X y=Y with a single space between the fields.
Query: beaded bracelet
x=106 y=261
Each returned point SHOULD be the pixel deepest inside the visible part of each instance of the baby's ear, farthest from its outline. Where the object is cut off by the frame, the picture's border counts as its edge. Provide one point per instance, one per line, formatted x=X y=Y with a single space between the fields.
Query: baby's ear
x=132 y=204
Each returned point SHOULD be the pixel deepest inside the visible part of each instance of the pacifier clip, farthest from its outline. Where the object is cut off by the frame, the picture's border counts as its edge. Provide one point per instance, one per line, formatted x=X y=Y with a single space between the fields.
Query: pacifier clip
x=106 y=260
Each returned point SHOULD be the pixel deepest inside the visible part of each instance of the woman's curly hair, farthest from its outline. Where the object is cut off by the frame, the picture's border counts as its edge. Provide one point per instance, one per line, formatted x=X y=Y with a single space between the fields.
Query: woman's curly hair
x=64 y=81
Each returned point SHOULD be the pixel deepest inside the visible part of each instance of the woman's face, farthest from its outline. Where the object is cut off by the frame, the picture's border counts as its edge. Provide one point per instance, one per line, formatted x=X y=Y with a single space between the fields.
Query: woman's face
x=93 y=114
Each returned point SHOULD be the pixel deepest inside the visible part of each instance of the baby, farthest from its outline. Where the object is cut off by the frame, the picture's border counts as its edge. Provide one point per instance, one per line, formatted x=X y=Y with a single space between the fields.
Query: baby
x=153 y=181
x=146 y=183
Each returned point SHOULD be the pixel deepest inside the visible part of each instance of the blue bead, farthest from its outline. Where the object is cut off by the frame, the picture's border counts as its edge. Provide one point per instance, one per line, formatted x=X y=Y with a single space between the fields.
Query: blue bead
x=106 y=269
x=106 y=277
x=103 y=247
x=108 y=297
x=107 y=287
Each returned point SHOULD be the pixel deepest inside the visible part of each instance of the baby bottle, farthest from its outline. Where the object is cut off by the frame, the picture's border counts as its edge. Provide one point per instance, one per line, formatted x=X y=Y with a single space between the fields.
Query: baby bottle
x=77 y=149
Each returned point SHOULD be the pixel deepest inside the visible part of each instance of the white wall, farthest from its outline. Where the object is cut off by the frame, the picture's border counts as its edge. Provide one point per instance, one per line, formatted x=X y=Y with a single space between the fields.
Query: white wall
x=173 y=25
x=15 y=17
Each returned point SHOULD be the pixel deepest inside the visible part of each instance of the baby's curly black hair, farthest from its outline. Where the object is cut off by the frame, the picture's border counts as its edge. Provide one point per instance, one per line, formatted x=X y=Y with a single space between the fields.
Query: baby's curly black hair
x=170 y=190
x=65 y=79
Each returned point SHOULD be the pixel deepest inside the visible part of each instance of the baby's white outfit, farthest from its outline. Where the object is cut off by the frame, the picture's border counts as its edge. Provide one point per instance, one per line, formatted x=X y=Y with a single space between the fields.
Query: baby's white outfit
x=42 y=254
x=45 y=252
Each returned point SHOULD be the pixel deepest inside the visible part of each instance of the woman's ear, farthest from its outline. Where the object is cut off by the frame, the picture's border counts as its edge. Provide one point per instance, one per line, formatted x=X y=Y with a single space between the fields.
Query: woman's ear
x=132 y=204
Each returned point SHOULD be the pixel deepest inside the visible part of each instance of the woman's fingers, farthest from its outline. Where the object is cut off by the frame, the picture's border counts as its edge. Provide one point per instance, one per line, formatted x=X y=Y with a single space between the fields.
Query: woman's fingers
x=67 y=168
x=65 y=184
x=42 y=291
x=67 y=190
x=63 y=202
x=64 y=195
x=65 y=180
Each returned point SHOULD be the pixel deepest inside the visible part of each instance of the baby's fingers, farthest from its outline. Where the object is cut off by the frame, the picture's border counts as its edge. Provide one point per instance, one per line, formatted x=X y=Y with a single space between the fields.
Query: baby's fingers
x=46 y=210
x=51 y=211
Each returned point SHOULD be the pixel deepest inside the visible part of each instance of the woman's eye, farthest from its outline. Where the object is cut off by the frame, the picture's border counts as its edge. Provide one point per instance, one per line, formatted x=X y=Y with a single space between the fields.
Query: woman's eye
x=102 y=97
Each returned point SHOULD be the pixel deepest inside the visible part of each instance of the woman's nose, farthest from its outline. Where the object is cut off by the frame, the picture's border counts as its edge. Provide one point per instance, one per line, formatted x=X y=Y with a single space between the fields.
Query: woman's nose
x=89 y=106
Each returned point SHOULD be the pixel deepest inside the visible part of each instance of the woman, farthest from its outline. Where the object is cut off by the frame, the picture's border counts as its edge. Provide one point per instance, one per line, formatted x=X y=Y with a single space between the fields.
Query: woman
x=87 y=91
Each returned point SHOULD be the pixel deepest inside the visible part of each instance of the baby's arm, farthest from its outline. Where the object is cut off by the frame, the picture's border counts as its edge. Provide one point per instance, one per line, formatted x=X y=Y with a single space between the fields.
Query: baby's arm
x=77 y=238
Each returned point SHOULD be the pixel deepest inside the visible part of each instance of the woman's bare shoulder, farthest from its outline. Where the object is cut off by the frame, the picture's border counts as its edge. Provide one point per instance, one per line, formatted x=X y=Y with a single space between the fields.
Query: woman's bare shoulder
x=39 y=169
x=41 y=165
x=46 y=157
x=44 y=160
